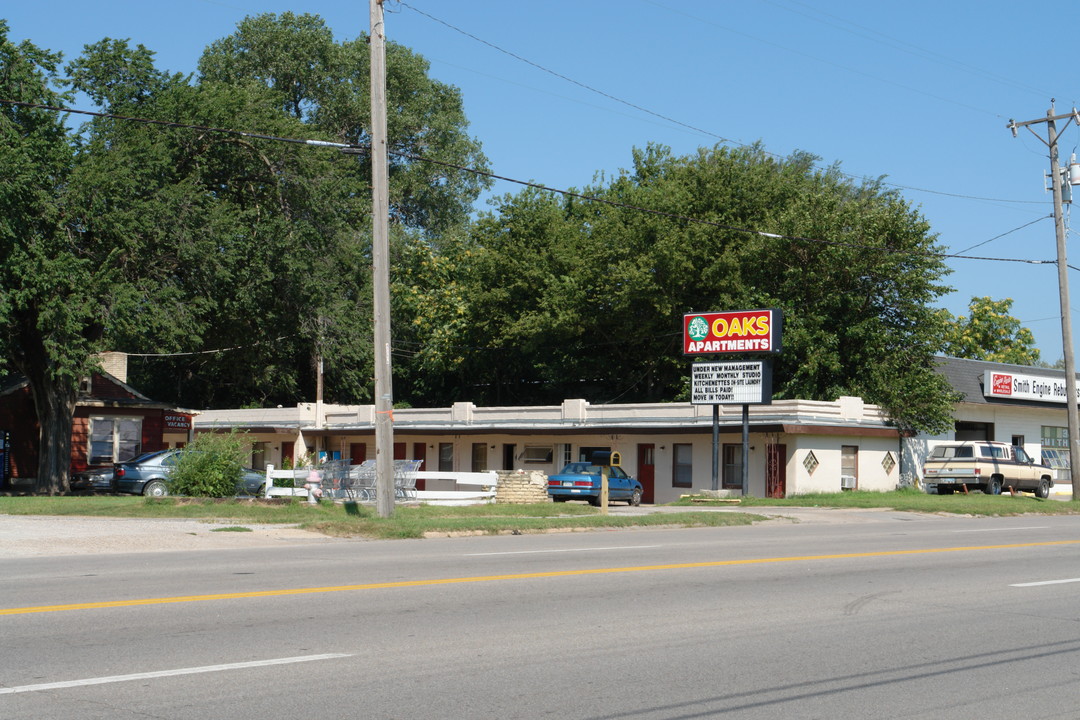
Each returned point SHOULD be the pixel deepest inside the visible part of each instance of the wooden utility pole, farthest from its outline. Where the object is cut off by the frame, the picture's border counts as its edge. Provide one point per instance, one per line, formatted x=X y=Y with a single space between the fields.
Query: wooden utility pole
x=380 y=257
x=1063 y=286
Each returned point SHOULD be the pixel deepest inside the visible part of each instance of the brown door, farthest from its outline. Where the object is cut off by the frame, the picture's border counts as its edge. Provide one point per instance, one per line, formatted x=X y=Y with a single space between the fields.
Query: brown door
x=776 y=471
x=646 y=471
x=399 y=451
x=288 y=450
x=419 y=452
x=357 y=453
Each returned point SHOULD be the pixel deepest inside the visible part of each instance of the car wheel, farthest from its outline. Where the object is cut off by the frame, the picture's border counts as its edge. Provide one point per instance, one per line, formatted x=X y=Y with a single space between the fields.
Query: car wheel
x=635 y=498
x=155 y=488
x=993 y=487
x=1043 y=491
x=595 y=501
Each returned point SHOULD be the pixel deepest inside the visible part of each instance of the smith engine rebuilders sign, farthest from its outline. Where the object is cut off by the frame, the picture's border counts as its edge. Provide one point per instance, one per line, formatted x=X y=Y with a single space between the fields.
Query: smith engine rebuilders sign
x=741 y=331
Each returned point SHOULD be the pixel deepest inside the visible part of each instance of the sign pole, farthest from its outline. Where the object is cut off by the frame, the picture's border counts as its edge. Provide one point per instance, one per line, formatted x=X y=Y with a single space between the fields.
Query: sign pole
x=745 y=448
x=715 y=447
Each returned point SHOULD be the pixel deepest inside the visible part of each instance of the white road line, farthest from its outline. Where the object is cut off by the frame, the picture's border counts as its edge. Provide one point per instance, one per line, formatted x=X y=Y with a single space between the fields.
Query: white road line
x=1046 y=582
x=168 y=673
x=997 y=530
x=537 y=552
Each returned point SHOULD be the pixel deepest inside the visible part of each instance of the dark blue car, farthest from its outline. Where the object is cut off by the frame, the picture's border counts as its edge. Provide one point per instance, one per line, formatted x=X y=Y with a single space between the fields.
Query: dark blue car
x=581 y=481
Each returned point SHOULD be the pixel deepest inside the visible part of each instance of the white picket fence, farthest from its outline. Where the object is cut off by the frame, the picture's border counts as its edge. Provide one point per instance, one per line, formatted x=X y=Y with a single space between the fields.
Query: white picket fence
x=313 y=484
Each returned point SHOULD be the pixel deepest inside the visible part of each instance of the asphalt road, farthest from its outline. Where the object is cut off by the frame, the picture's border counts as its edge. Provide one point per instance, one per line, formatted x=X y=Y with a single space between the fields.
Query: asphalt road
x=887 y=615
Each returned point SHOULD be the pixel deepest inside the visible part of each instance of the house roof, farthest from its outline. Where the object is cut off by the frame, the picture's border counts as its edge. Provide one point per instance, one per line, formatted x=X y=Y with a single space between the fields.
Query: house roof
x=13 y=383
x=966 y=377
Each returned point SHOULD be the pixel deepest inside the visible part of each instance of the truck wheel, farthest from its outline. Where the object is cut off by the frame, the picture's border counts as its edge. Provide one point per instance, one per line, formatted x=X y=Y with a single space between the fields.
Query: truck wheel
x=993 y=487
x=1043 y=491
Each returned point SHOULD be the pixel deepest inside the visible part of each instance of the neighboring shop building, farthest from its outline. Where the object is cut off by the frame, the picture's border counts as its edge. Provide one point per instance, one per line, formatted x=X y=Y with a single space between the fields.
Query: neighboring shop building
x=1016 y=404
x=796 y=446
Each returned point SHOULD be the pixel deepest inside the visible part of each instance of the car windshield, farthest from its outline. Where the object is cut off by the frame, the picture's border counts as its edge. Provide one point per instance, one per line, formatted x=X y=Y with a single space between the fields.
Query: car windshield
x=580 y=468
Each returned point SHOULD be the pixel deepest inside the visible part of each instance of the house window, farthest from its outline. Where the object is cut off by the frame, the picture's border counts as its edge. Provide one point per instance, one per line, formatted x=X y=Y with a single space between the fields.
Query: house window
x=1018 y=441
x=446 y=457
x=114 y=439
x=682 y=465
x=732 y=466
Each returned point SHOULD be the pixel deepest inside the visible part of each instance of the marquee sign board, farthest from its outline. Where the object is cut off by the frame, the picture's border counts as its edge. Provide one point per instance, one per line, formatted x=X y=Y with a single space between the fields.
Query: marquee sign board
x=1015 y=386
x=740 y=331
x=731 y=383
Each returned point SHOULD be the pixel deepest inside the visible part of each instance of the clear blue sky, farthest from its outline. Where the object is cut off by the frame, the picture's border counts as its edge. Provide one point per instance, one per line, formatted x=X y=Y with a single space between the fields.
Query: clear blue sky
x=918 y=91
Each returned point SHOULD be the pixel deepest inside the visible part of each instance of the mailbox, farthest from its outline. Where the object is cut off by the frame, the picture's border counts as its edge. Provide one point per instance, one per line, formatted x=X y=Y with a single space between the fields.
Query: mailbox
x=606 y=458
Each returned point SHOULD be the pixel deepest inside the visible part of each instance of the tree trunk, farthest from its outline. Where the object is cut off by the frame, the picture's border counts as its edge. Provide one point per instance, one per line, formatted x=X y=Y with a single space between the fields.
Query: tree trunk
x=54 y=400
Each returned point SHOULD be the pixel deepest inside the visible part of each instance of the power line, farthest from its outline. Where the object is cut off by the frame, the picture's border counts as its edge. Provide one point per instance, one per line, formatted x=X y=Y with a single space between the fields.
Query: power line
x=666 y=118
x=354 y=148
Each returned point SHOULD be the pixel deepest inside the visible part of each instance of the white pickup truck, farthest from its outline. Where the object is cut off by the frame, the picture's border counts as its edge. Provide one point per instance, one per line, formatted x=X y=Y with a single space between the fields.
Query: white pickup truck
x=984 y=465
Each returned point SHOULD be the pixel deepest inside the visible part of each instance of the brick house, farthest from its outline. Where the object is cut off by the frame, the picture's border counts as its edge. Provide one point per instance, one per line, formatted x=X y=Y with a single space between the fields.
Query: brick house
x=112 y=422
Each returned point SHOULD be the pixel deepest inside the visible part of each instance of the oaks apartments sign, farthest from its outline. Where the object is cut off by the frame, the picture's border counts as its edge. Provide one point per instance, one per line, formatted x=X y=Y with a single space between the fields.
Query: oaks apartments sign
x=732 y=333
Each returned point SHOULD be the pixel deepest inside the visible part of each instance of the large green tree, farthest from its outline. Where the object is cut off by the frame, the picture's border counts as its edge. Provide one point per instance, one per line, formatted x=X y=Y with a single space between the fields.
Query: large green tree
x=243 y=258
x=52 y=285
x=560 y=297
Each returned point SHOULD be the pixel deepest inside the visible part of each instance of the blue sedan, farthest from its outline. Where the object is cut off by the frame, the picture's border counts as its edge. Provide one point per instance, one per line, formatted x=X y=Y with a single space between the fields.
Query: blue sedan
x=581 y=480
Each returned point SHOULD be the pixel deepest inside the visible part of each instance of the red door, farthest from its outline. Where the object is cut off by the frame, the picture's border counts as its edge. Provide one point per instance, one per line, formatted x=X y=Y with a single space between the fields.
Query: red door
x=357 y=453
x=419 y=452
x=399 y=451
x=288 y=450
x=776 y=471
x=646 y=470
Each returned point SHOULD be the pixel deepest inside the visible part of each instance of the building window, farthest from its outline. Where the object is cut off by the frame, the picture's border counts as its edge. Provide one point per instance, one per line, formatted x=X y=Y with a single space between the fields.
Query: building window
x=538 y=454
x=479 y=457
x=114 y=439
x=682 y=465
x=258 y=455
x=732 y=467
x=446 y=457
x=849 y=461
x=1018 y=441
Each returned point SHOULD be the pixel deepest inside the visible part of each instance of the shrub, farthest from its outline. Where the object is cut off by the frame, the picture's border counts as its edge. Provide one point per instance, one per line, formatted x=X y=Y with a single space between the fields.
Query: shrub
x=211 y=466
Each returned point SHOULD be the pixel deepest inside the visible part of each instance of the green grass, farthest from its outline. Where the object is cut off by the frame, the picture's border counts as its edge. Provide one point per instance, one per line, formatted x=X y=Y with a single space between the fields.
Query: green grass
x=354 y=520
x=911 y=500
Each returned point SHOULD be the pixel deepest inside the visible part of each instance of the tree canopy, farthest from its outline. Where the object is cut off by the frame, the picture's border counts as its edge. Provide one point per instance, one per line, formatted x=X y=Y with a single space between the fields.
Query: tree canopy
x=989 y=332
x=243 y=258
x=553 y=297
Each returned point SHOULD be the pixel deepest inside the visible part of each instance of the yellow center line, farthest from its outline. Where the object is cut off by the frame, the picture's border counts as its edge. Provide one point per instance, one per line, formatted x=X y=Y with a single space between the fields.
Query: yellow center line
x=516 y=576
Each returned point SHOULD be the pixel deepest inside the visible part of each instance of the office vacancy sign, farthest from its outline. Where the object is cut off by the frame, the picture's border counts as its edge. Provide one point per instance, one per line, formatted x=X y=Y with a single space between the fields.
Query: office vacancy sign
x=731 y=383
x=740 y=331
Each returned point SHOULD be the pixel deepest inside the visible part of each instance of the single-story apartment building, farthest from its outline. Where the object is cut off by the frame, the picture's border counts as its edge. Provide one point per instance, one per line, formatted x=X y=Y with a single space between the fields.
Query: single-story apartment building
x=795 y=446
